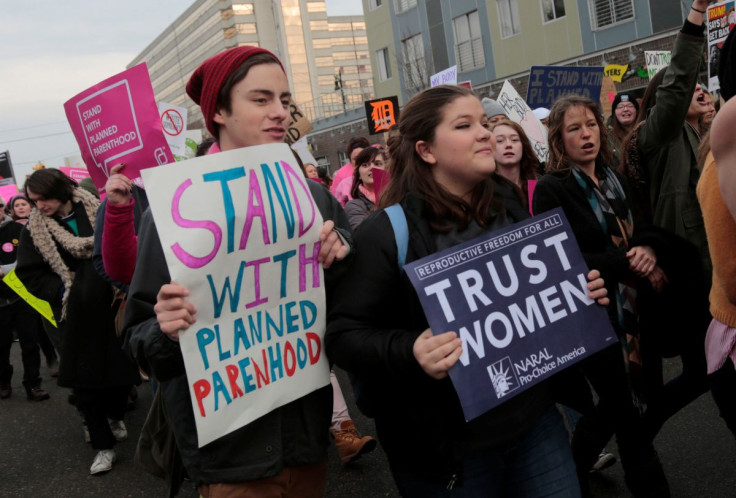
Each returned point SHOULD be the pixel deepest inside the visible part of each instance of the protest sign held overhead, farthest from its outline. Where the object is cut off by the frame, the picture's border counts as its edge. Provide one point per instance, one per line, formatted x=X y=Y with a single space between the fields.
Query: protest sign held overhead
x=518 y=300
x=445 y=77
x=549 y=83
x=615 y=72
x=656 y=60
x=240 y=230
x=518 y=111
x=75 y=174
x=382 y=114
x=116 y=121
x=720 y=20
x=174 y=124
x=300 y=124
x=6 y=169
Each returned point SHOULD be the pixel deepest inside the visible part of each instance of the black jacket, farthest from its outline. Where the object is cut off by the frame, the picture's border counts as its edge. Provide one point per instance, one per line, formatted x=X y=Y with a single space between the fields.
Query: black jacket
x=9 y=238
x=92 y=353
x=294 y=434
x=371 y=331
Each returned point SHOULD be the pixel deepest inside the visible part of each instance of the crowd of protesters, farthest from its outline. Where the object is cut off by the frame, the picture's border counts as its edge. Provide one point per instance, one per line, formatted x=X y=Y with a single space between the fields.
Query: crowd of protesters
x=651 y=200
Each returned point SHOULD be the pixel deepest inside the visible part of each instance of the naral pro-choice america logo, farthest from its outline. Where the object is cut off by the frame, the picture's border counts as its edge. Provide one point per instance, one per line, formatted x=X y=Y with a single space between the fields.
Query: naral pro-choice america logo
x=503 y=377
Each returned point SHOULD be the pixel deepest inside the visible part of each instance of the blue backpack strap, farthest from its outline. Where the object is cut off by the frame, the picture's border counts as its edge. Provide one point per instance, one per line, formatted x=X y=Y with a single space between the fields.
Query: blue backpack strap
x=397 y=217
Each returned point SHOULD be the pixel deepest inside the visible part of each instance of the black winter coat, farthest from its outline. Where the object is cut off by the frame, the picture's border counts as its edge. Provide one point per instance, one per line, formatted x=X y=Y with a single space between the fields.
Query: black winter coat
x=92 y=355
x=371 y=331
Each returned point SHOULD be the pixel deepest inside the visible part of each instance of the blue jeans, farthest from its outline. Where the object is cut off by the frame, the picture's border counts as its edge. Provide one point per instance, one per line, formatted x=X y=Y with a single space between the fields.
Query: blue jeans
x=539 y=465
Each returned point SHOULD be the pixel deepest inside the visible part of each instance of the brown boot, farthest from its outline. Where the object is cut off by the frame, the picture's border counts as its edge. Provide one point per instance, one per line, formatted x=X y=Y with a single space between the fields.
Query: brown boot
x=350 y=444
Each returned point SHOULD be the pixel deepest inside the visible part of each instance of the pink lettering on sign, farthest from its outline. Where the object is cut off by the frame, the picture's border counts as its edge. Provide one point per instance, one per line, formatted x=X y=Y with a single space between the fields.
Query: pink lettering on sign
x=117 y=121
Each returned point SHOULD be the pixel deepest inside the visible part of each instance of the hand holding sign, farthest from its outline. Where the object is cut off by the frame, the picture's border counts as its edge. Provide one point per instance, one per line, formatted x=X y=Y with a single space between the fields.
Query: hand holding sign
x=332 y=247
x=436 y=354
x=173 y=312
x=118 y=187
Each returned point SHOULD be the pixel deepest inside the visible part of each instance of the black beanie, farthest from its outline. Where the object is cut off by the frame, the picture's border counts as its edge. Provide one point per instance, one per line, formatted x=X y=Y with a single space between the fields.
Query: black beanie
x=727 y=67
x=624 y=97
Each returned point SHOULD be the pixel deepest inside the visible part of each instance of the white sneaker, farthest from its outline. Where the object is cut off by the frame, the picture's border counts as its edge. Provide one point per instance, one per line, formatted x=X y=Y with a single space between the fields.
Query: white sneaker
x=605 y=460
x=103 y=462
x=119 y=431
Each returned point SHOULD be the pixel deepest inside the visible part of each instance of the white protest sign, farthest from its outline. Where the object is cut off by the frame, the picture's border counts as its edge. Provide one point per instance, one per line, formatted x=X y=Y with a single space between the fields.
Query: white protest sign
x=656 y=60
x=174 y=124
x=518 y=111
x=446 y=77
x=301 y=147
x=240 y=229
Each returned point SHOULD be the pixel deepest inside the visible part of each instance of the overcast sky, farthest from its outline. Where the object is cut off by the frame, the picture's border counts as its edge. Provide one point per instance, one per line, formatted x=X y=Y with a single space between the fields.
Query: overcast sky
x=52 y=50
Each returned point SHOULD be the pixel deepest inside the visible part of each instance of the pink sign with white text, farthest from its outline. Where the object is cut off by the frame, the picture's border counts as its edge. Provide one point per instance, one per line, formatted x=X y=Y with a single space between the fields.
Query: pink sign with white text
x=8 y=191
x=75 y=174
x=117 y=121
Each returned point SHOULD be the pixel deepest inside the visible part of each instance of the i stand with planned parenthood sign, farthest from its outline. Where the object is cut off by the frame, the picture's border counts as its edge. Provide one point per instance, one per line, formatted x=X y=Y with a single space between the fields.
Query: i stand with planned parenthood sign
x=518 y=300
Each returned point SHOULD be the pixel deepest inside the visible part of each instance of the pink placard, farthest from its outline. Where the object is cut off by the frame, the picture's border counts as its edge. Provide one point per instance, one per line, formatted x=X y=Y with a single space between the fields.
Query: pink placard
x=75 y=174
x=380 y=180
x=117 y=121
x=8 y=191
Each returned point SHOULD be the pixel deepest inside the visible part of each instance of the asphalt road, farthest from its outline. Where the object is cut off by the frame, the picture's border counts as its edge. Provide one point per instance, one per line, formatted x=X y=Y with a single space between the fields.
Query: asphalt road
x=43 y=454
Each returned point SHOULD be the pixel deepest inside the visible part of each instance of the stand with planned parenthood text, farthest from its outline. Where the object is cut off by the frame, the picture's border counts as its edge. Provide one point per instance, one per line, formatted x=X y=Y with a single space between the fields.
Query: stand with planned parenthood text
x=518 y=300
x=241 y=231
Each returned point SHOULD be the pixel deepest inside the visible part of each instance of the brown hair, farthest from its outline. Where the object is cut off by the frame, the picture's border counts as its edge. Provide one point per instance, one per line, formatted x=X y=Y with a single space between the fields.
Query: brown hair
x=365 y=157
x=529 y=163
x=50 y=183
x=557 y=159
x=410 y=174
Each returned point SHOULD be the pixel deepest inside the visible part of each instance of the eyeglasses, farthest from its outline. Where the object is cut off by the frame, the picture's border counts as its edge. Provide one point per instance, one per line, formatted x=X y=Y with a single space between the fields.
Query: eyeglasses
x=625 y=106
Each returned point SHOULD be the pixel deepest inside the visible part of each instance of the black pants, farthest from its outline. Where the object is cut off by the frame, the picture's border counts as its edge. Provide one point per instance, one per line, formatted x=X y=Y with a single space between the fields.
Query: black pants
x=664 y=400
x=20 y=317
x=97 y=405
x=723 y=389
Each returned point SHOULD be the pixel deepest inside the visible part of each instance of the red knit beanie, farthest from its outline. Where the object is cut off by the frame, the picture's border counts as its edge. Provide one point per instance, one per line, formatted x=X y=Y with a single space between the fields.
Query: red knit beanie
x=208 y=79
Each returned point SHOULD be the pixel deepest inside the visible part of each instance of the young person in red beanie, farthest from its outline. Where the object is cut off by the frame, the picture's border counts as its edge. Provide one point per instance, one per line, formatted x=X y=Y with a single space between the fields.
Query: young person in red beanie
x=244 y=96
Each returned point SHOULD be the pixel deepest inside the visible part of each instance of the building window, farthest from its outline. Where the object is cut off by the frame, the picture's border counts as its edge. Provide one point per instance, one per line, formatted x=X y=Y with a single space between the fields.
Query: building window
x=605 y=13
x=552 y=10
x=402 y=5
x=323 y=61
x=242 y=9
x=384 y=68
x=340 y=26
x=316 y=7
x=246 y=28
x=318 y=25
x=374 y=4
x=508 y=18
x=415 y=65
x=468 y=42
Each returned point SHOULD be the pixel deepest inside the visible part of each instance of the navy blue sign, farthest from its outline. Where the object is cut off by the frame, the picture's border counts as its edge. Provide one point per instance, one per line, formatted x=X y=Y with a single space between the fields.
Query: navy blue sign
x=518 y=300
x=549 y=83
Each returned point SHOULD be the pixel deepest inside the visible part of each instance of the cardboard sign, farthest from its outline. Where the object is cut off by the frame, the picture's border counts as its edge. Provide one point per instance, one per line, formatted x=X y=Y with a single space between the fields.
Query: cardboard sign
x=615 y=72
x=43 y=307
x=720 y=20
x=174 y=123
x=116 y=121
x=608 y=93
x=518 y=300
x=75 y=174
x=382 y=114
x=446 y=77
x=549 y=83
x=241 y=231
x=300 y=125
x=656 y=60
x=518 y=111
x=466 y=84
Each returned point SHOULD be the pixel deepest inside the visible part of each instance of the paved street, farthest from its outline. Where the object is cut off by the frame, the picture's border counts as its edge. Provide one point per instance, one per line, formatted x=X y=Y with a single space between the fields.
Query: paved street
x=43 y=454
